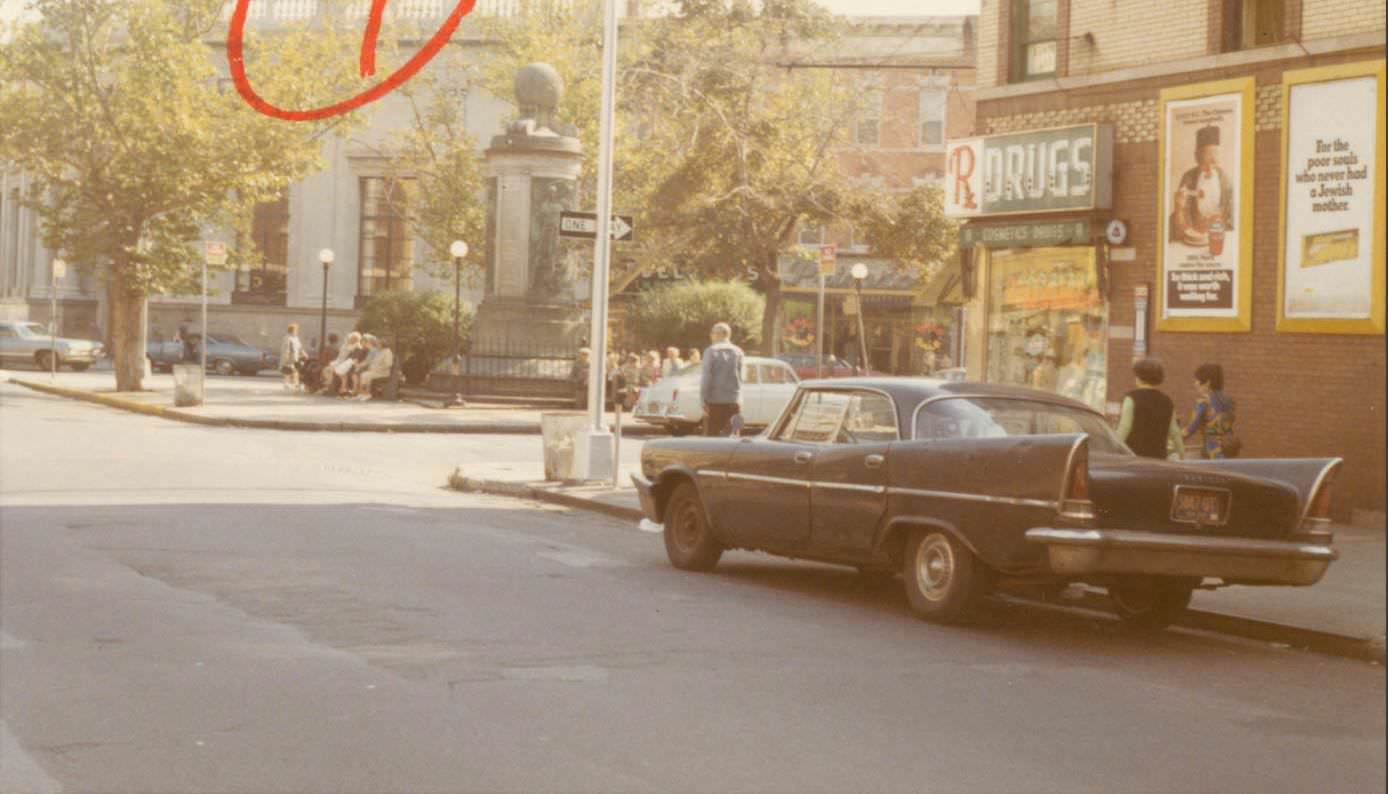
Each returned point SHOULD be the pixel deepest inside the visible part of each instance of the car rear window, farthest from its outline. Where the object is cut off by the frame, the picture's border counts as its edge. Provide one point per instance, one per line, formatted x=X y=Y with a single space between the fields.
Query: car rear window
x=998 y=417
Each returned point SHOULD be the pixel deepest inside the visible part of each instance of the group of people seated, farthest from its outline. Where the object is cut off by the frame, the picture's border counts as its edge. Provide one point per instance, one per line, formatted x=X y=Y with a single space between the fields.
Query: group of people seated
x=345 y=369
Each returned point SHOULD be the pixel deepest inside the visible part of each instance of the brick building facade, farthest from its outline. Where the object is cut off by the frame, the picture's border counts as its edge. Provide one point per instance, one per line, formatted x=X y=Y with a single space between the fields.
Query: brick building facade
x=1118 y=63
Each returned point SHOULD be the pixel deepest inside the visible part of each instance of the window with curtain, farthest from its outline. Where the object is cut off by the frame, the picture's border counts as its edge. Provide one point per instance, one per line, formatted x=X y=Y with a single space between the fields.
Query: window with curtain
x=931 y=133
x=387 y=236
x=264 y=282
x=868 y=129
x=1034 y=31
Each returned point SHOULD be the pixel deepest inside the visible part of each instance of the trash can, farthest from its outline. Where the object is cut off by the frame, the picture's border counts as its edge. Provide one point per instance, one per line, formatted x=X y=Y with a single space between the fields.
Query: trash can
x=188 y=382
x=560 y=431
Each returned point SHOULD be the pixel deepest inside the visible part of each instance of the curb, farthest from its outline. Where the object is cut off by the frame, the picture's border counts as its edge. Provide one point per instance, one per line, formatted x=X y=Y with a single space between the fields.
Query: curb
x=1358 y=648
x=166 y=412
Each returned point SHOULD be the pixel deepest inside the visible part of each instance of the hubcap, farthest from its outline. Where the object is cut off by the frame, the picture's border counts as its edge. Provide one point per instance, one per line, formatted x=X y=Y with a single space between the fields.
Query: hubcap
x=934 y=567
x=687 y=529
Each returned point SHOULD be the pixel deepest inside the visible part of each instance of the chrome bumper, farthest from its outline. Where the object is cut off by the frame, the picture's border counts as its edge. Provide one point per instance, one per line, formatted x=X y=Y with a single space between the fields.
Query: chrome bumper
x=644 y=492
x=1077 y=552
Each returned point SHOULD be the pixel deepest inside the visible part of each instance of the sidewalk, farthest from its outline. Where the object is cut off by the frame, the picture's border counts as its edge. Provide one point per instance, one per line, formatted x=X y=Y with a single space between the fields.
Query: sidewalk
x=262 y=402
x=1343 y=614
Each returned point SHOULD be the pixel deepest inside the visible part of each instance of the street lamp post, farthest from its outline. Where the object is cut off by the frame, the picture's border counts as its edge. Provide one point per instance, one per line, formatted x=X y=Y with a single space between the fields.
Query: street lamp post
x=860 y=273
x=326 y=258
x=459 y=250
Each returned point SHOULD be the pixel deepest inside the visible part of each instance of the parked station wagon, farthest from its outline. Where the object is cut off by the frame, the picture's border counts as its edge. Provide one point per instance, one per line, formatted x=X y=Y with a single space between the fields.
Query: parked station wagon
x=968 y=487
x=674 y=402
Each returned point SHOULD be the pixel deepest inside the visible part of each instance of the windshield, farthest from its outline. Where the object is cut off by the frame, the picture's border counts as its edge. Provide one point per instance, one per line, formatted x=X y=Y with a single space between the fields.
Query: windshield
x=31 y=329
x=997 y=417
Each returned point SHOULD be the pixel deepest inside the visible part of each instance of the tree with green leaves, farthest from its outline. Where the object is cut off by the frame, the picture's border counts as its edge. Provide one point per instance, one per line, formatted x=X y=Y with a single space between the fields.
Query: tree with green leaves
x=116 y=107
x=418 y=325
x=682 y=314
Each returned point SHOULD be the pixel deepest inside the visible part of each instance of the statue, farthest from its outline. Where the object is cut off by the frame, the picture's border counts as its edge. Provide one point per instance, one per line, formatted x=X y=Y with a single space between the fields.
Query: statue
x=548 y=277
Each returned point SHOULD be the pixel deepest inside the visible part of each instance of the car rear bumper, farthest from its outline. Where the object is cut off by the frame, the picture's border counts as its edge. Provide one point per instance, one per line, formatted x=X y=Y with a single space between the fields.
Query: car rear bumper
x=645 y=491
x=1078 y=552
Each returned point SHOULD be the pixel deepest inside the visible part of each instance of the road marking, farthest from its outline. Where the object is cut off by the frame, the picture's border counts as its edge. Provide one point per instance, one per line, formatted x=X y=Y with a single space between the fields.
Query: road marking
x=19 y=771
x=580 y=558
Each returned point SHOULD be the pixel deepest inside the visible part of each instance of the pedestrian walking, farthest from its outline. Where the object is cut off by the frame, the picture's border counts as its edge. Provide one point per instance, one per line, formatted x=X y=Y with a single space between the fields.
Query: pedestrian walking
x=1214 y=415
x=720 y=387
x=1147 y=422
x=672 y=363
x=291 y=350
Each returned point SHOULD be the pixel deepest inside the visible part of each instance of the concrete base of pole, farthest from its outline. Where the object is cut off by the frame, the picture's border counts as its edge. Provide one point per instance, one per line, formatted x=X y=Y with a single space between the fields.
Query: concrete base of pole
x=595 y=456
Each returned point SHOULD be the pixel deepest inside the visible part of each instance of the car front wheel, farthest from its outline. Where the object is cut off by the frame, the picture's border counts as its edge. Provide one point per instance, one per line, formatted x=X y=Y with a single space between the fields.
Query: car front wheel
x=223 y=367
x=44 y=360
x=1150 y=602
x=944 y=580
x=689 y=542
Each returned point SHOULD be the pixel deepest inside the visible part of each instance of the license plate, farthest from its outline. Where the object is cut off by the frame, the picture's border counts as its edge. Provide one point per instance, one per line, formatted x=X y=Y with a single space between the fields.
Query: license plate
x=1203 y=506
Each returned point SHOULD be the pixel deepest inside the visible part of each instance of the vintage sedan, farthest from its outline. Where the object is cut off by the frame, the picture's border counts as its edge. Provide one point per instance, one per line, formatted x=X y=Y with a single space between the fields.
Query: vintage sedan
x=968 y=487
x=30 y=343
x=674 y=403
x=226 y=354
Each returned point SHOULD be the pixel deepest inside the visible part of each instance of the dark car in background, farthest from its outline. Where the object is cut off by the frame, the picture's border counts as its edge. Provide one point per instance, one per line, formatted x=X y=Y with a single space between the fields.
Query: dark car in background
x=24 y=342
x=226 y=354
x=965 y=488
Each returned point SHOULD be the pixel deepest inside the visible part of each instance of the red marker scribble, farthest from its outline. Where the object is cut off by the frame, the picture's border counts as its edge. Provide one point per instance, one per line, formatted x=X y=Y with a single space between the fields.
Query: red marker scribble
x=366 y=62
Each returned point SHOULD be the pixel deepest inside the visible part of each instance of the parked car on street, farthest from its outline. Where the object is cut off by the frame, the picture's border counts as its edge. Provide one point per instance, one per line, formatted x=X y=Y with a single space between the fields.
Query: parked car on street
x=226 y=354
x=804 y=366
x=674 y=403
x=30 y=343
x=968 y=487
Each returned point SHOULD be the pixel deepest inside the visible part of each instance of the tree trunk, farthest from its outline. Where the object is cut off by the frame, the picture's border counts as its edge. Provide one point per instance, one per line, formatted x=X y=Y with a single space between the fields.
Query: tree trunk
x=126 y=309
x=769 y=320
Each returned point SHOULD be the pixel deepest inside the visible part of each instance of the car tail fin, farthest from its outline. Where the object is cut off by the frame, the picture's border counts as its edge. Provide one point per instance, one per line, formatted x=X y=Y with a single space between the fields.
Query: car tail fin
x=1075 y=504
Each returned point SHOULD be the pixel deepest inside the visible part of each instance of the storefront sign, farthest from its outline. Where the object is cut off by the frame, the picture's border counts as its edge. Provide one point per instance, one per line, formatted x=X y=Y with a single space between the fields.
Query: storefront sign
x=1055 y=170
x=1331 y=272
x=1205 y=254
x=1025 y=235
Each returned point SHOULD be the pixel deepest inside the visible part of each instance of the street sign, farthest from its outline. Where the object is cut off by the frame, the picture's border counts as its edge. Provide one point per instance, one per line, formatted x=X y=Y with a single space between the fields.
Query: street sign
x=59 y=269
x=584 y=225
x=828 y=259
x=215 y=252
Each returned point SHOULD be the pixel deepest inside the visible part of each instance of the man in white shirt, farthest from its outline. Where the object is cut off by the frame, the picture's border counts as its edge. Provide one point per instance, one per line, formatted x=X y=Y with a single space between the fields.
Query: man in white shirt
x=378 y=367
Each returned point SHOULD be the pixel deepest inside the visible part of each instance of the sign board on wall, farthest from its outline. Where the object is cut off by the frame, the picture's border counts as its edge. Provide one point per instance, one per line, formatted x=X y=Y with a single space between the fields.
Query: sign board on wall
x=1331 y=263
x=1066 y=169
x=1205 y=207
x=1025 y=235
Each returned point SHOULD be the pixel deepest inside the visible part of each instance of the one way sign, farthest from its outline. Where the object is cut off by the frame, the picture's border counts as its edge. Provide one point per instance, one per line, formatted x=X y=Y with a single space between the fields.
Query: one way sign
x=584 y=225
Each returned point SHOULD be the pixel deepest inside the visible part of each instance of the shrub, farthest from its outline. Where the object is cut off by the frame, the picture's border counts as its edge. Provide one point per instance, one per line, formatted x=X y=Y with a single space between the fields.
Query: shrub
x=682 y=314
x=418 y=325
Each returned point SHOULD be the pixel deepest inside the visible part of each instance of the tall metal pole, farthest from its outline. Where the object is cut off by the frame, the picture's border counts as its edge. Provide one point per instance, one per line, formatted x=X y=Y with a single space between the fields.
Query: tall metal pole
x=457 y=400
x=322 y=321
x=53 y=321
x=203 y=347
x=862 y=337
x=603 y=243
x=819 y=328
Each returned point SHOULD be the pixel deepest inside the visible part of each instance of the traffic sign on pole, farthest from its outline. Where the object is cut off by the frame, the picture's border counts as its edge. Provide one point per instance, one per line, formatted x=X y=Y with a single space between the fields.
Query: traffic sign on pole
x=215 y=252
x=584 y=226
x=828 y=259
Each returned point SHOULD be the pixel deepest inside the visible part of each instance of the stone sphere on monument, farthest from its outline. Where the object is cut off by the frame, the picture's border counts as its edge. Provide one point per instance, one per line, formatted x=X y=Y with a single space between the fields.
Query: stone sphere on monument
x=538 y=85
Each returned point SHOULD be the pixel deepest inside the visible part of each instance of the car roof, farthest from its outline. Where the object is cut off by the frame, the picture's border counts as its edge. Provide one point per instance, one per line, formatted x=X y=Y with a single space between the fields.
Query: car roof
x=908 y=392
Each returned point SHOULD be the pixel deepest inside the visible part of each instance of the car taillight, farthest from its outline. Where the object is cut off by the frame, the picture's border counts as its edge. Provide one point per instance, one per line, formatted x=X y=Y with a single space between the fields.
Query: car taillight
x=1075 y=504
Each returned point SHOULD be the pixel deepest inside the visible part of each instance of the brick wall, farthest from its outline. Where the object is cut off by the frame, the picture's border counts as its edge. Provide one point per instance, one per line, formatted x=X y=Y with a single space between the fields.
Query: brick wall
x=1325 y=18
x=1298 y=394
x=1134 y=32
x=988 y=42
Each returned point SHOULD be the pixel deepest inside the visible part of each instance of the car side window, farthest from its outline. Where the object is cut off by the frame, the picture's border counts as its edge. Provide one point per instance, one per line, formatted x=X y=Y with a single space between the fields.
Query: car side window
x=7 y=331
x=749 y=374
x=775 y=373
x=820 y=417
x=956 y=419
x=869 y=419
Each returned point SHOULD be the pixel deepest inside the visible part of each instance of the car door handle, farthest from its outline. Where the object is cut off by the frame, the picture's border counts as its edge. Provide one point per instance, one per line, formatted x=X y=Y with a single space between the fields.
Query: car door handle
x=873 y=461
x=803 y=457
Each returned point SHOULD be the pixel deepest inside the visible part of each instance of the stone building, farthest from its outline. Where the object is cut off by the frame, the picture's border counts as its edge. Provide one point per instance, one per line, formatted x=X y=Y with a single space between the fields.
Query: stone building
x=1240 y=145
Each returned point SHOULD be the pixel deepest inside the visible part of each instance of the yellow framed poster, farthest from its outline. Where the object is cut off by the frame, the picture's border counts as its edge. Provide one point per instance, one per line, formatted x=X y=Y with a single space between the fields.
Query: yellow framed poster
x=1330 y=272
x=1205 y=207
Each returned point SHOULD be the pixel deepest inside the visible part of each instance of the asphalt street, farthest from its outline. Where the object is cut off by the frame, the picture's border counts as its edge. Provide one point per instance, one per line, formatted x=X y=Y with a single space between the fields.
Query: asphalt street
x=192 y=609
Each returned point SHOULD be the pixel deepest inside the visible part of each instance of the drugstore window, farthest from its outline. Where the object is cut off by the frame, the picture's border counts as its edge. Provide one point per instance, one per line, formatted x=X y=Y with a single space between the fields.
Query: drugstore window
x=1047 y=322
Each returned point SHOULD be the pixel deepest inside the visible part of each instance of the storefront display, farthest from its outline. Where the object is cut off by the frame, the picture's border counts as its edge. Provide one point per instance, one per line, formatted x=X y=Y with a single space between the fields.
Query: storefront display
x=1048 y=322
x=1331 y=278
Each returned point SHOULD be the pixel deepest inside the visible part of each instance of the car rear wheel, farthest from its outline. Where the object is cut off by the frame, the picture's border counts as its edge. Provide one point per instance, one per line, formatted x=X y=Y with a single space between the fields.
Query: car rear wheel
x=44 y=360
x=944 y=580
x=688 y=540
x=1148 y=602
x=223 y=367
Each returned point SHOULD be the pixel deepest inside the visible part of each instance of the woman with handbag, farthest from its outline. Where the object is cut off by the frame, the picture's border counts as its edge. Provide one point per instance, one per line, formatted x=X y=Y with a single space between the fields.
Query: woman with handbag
x=1214 y=415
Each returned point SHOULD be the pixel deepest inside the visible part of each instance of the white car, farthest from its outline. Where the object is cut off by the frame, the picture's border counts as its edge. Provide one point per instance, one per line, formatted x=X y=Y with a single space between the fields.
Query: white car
x=674 y=403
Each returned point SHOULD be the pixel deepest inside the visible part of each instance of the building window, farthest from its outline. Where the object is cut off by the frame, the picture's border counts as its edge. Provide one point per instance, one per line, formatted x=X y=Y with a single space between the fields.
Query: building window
x=387 y=236
x=857 y=240
x=867 y=132
x=1034 y=39
x=1252 y=23
x=264 y=282
x=932 y=118
x=811 y=234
